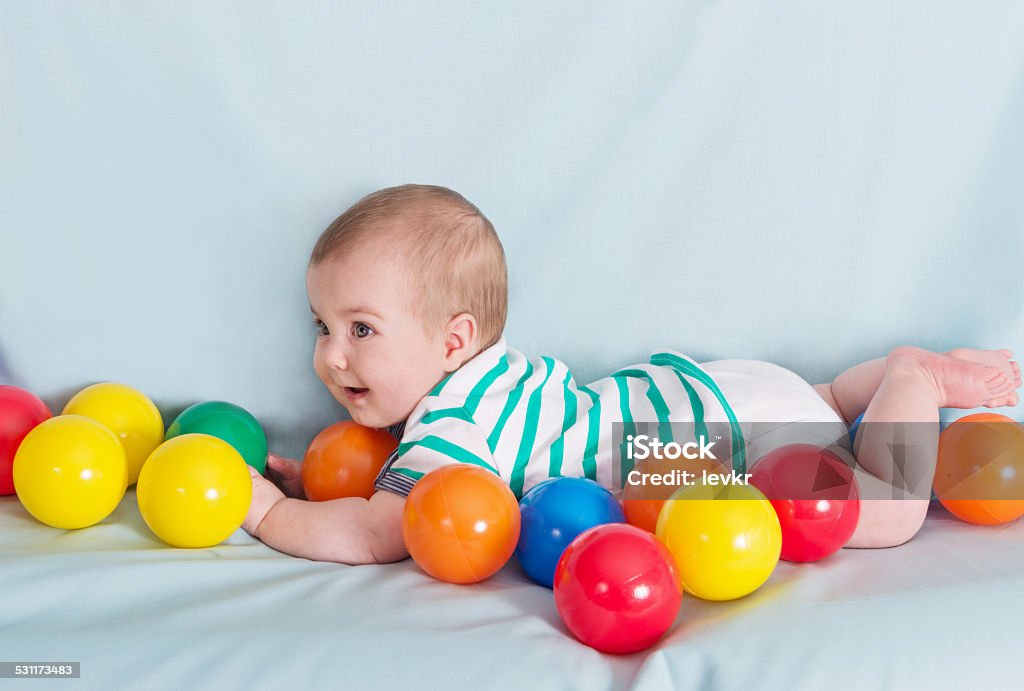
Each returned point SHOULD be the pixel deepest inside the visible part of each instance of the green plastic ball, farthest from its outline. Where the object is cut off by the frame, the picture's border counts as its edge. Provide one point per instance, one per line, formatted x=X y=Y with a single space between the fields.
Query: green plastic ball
x=226 y=421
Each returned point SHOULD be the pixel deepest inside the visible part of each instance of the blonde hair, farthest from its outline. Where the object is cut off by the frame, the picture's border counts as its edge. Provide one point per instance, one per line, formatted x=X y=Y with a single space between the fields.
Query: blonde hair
x=458 y=259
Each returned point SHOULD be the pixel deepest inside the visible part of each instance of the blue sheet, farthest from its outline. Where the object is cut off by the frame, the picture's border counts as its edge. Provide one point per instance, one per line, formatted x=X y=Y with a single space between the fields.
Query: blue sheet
x=942 y=611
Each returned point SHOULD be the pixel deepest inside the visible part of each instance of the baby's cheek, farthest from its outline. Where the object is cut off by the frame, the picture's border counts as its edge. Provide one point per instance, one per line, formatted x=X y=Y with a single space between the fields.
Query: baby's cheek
x=320 y=368
x=321 y=375
x=404 y=398
x=326 y=381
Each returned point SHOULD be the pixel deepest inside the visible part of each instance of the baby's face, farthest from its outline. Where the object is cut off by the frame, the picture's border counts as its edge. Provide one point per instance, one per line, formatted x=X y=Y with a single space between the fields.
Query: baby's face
x=371 y=352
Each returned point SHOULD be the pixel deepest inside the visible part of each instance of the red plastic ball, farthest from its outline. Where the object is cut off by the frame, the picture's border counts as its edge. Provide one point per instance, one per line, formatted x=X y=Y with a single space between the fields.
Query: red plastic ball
x=617 y=588
x=20 y=412
x=815 y=496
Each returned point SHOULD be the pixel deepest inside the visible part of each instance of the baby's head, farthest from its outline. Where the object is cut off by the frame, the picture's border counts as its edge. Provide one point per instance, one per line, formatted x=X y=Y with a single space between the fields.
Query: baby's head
x=405 y=286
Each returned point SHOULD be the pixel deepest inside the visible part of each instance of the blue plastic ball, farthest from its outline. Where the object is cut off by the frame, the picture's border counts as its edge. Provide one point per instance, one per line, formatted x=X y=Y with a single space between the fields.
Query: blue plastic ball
x=553 y=514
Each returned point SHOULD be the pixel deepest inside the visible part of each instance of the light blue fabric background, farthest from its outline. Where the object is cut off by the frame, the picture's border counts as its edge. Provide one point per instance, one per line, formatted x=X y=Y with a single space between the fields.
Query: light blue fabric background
x=808 y=184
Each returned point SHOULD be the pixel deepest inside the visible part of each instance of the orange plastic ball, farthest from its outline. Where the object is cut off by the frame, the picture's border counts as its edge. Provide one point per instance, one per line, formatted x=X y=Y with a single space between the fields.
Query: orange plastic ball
x=344 y=461
x=642 y=503
x=979 y=476
x=461 y=523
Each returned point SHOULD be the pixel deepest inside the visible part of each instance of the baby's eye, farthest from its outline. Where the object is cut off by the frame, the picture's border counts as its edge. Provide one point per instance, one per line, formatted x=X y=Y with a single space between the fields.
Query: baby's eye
x=361 y=330
x=321 y=328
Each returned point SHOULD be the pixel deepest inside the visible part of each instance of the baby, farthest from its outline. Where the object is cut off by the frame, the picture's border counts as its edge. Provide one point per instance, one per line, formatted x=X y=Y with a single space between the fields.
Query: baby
x=408 y=290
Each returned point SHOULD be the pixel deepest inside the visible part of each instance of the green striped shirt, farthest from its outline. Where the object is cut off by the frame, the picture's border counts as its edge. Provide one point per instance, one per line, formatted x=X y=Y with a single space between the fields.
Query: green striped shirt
x=528 y=420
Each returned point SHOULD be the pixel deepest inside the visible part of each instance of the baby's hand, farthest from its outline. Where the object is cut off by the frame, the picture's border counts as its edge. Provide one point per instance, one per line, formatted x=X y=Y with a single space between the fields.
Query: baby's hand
x=264 y=496
x=286 y=473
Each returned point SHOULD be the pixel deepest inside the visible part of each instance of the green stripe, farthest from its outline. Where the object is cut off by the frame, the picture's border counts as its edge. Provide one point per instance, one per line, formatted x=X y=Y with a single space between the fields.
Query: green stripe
x=568 y=418
x=593 y=434
x=441 y=413
x=700 y=427
x=478 y=391
x=656 y=399
x=440 y=385
x=529 y=432
x=510 y=404
x=628 y=429
x=412 y=474
x=739 y=456
x=453 y=451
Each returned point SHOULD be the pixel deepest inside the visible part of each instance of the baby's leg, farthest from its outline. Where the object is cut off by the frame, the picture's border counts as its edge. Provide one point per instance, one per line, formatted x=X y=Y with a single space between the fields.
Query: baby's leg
x=896 y=449
x=852 y=391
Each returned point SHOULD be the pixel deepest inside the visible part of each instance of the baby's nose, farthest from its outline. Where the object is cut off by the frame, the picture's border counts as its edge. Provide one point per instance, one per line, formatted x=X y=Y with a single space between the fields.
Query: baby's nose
x=332 y=357
x=339 y=360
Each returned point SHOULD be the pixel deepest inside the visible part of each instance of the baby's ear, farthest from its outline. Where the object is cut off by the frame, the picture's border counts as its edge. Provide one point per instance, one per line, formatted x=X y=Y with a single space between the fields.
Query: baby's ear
x=460 y=340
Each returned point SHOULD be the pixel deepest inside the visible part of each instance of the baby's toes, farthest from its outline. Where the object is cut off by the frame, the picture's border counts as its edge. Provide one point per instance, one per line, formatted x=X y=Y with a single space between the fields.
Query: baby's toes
x=1008 y=400
x=998 y=384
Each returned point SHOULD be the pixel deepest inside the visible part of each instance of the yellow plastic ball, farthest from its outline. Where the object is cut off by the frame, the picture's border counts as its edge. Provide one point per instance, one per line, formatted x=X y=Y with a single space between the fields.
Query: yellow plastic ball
x=194 y=491
x=70 y=471
x=126 y=412
x=726 y=539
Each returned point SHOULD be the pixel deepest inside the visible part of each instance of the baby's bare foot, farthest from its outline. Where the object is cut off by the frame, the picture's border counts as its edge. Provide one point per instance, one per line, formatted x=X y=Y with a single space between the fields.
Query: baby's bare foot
x=1003 y=359
x=958 y=383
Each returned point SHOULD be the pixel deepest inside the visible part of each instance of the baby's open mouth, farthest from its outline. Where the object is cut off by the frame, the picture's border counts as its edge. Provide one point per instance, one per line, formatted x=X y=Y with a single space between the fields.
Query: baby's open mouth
x=354 y=390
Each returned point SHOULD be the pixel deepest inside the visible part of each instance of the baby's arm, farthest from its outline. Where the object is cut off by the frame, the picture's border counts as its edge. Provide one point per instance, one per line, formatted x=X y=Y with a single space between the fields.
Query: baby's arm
x=352 y=530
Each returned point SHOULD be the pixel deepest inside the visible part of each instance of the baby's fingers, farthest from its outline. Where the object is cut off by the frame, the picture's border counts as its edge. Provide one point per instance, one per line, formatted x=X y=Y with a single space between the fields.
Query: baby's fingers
x=286 y=473
x=285 y=467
